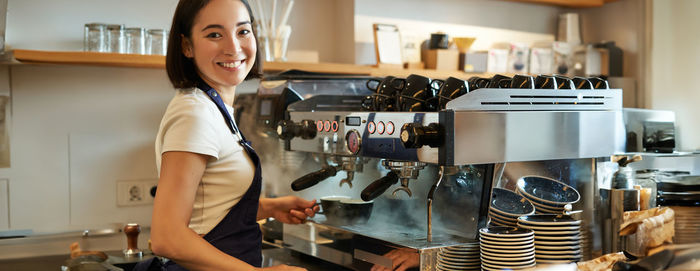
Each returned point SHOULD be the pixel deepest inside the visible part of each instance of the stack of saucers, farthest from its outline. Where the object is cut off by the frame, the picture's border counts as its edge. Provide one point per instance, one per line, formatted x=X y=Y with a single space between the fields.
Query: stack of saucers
x=549 y=196
x=461 y=257
x=557 y=237
x=506 y=206
x=506 y=248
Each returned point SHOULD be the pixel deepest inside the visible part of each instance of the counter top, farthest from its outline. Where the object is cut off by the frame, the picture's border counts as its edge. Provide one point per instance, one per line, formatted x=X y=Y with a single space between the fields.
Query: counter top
x=271 y=256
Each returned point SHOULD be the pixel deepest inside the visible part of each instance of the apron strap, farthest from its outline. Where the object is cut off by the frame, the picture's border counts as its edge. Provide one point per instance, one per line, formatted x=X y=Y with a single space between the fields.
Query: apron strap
x=216 y=98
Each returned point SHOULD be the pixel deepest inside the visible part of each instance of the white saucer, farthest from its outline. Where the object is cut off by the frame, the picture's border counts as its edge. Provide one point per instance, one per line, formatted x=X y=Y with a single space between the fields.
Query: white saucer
x=501 y=214
x=458 y=259
x=551 y=219
x=500 y=267
x=508 y=247
x=549 y=228
x=494 y=223
x=558 y=238
x=506 y=252
x=506 y=232
x=506 y=263
x=556 y=257
x=503 y=217
x=506 y=243
x=461 y=248
x=557 y=248
x=499 y=258
x=458 y=265
x=509 y=256
x=497 y=239
x=557 y=233
x=557 y=243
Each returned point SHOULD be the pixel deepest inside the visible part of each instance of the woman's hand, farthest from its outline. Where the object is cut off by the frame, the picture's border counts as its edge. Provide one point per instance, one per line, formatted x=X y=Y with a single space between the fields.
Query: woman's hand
x=289 y=209
x=282 y=267
x=402 y=259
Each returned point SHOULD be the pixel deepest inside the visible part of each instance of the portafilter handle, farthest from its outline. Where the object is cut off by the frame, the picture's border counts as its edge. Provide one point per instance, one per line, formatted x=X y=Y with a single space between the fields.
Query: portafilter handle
x=378 y=187
x=313 y=178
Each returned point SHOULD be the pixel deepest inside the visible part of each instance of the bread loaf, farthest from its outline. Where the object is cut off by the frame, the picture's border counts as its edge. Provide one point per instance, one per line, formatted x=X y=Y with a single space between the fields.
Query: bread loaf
x=648 y=229
x=601 y=263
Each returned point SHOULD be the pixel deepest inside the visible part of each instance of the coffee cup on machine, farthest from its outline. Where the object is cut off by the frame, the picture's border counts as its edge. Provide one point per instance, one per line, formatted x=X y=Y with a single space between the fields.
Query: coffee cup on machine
x=386 y=92
x=417 y=90
x=345 y=210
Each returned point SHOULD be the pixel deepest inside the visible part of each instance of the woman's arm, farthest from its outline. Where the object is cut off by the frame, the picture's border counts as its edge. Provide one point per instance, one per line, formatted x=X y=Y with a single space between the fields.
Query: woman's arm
x=171 y=237
x=289 y=209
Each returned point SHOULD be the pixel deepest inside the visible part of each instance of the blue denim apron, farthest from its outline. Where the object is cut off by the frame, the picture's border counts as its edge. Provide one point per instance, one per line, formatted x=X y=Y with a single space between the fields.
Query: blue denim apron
x=238 y=234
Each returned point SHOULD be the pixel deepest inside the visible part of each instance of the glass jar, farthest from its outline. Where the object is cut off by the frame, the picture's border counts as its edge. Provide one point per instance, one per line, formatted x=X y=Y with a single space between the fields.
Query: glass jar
x=94 y=40
x=115 y=38
x=157 y=41
x=135 y=40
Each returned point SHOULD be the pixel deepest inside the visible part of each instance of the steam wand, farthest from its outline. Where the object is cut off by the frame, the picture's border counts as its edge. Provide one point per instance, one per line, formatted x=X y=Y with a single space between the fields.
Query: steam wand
x=431 y=194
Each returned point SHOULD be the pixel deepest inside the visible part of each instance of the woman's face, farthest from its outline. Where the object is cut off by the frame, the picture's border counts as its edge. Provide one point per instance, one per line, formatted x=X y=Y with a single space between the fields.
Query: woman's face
x=222 y=43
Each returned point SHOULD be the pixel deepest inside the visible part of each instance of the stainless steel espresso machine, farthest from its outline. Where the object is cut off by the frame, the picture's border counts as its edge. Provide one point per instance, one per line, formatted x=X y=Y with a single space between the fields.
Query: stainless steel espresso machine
x=427 y=152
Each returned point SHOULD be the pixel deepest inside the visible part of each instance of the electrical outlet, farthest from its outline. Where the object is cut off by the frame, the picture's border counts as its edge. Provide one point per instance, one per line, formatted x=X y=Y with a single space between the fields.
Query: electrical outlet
x=135 y=192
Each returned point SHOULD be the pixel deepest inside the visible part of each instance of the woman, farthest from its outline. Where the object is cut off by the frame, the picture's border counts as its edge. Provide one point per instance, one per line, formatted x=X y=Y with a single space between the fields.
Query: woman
x=207 y=205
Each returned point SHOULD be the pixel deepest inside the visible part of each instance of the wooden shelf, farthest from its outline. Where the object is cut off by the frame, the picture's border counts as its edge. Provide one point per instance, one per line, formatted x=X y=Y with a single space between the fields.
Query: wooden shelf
x=155 y=61
x=88 y=58
x=568 y=3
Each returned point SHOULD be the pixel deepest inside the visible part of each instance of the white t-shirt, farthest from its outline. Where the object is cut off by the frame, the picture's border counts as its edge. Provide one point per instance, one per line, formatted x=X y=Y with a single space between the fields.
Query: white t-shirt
x=193 y=123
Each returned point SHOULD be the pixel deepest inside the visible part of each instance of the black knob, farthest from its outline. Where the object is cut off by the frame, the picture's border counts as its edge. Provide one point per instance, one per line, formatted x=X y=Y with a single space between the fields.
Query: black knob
x=287 y=129
x=415 y=135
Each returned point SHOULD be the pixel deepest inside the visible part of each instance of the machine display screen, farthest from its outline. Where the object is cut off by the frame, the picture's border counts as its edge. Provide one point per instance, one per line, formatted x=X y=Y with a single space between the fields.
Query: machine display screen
x=352 y=121
x=265 y=107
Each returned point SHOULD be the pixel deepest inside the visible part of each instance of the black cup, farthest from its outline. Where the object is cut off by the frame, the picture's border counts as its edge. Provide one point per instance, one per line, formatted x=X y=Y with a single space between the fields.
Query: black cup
x=545 y=82
x=417 y=90
x=450 y=89
x=522 y=81
x=582 y=83
x=478 y=82
x=564 y=82
x=387 y=91
x=331 y=208
x=599 y=83
x=355 y=211
x=495 y=81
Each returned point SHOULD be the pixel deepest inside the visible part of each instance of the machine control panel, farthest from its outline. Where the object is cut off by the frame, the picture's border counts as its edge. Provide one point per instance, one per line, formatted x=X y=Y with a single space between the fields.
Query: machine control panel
x=367 y=134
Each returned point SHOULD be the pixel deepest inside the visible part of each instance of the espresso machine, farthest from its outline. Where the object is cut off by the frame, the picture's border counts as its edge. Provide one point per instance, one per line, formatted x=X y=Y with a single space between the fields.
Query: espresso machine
x=427 y=153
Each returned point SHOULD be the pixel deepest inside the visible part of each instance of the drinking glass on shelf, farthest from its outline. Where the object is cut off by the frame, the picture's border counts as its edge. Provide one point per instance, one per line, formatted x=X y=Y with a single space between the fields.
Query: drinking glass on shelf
x=157 y=41
x=135 y=40
x=94 y=40
x=115 y=38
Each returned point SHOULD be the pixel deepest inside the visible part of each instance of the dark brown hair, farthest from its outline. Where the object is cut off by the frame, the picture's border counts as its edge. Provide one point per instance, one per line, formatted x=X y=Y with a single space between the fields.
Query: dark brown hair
x=181 y=70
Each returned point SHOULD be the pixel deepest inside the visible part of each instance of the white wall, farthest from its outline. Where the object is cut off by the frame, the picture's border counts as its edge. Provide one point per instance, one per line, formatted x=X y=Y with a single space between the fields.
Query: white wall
x=674 y=66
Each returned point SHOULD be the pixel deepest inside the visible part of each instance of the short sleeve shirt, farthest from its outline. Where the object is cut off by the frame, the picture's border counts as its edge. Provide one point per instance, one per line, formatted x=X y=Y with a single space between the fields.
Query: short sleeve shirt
x=193 y=123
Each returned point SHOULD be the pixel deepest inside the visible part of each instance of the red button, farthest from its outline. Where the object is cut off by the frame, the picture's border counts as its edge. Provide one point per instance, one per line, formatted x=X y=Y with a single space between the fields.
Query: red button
x=319 y=125
x=380 y=127
x=390 y=128
x=327 y=126
x=334 y=126
x=371 y=127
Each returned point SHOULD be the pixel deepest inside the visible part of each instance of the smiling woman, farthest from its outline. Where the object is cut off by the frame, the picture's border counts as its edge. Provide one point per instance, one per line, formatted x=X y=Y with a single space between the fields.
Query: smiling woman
x=208 y=200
